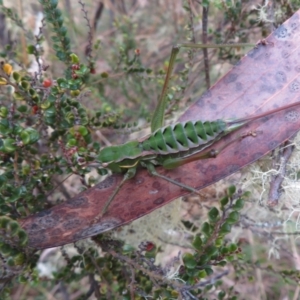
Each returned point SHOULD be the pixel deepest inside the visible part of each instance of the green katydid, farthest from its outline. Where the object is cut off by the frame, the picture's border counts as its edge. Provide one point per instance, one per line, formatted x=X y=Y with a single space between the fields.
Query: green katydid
x=173 y=145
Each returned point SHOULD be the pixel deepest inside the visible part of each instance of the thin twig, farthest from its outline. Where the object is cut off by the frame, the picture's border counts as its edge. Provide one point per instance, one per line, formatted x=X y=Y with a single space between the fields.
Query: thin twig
x=276 y=181
x=204 y=41
x=98 y=15
x=132 y=283
x=89 y=47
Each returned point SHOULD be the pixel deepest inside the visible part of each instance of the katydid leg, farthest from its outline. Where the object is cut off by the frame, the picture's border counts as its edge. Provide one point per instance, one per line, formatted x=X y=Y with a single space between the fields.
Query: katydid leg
x=158 y=115
x=128 y=175
x=153 y=172
x=172 y=163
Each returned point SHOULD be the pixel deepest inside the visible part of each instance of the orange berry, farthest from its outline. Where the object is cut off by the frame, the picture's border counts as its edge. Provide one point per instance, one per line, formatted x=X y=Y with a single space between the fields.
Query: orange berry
x=47 y=83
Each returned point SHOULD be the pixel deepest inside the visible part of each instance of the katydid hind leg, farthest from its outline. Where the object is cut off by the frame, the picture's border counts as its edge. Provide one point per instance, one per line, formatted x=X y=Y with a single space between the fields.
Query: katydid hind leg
x=172 y=163
x=153 y=172
x=158 y=115
x=128 y=175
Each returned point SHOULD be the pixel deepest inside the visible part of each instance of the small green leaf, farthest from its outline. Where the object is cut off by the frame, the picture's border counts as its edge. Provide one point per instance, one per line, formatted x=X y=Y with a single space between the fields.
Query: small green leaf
x=104 y=75
x=29 y=136
x=31 y=92
x=102 y=172
x=4 y=221
x=16 y=76
x=189 y=260
x=204 y=259
x=22 y=278
x=26 y=169
x=10 y=262
x=224 y=250
x=208 y=271
x=65 y=85
x=221 y=295
x=8 y=145
x=128 y=248
x=50 y=112
x=22 y=108
x=222 y=263
x=246 y=194
x=96 y=146
x=83 y=130
x=206 y=229
x=197 y=242
x=224 y=201
x=225 y=228
x=71 y=143
x=213 y=215
x=23 y=238
x=5 y=249
x=74 y=93
x=70 y=117
x=62 y=31
x=56 y=13
x=19 y=259
x=83 y=70
x=4 y=127
x=16 y=194
x=55 y=39
x=233 y=217
x=18 y=96
x=62 y=82
x=74 y=58
x=25 y=137
x=202 y=274
x=60 y=21
x=31 y=49
x=14 y=227
x=231 y=190
x=232 y=247
x=219 y=242
x=212 y=250
x=3 y=112
x=25 y=85
x=46 y=104
x=239 y=204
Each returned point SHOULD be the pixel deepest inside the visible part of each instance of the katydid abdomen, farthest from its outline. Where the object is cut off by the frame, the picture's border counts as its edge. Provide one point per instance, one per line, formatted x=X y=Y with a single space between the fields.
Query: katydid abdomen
x=182 y=137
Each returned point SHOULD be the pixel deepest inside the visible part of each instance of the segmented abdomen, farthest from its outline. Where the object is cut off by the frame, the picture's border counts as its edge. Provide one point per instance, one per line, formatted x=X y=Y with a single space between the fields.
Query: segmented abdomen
x=183 y=136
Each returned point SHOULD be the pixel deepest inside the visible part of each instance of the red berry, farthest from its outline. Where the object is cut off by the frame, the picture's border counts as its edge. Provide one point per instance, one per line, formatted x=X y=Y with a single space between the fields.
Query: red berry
x=149 y=246
x=47 y=83
x=92 y=70
x=75 y=67
x=35 y=109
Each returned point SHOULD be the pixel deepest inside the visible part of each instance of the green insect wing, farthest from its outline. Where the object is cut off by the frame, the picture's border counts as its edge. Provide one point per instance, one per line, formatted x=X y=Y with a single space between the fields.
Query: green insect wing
x=115 y=154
